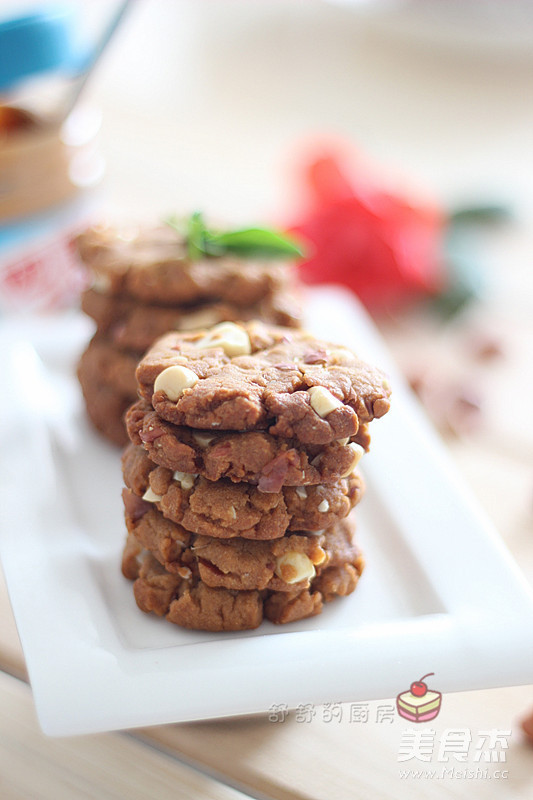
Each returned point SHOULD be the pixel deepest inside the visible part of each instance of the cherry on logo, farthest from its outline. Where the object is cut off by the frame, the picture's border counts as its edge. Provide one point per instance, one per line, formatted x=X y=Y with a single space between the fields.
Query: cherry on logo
x=419 y=688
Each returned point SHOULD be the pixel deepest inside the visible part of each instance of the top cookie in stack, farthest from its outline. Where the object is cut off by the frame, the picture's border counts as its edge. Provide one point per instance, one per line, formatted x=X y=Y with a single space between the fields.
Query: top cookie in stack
x=242 y=474
x=256 y=377
x=144 y=284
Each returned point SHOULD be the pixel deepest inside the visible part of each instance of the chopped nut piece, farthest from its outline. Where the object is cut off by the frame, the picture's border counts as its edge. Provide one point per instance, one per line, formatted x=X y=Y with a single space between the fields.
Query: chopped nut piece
x=318 y=556
x=322 y=401
x=358 y=452
x=174 y=380
x=184 y=572
x=186 y=479
x=294 y=567
x=233 y=339
x=310 y=367
x=323 y=506
x=151 y=497
x=301 y=491
x=203 y=440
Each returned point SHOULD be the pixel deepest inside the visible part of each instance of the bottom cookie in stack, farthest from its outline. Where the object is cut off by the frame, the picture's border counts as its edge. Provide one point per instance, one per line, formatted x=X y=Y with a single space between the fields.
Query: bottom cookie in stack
x=210 y=584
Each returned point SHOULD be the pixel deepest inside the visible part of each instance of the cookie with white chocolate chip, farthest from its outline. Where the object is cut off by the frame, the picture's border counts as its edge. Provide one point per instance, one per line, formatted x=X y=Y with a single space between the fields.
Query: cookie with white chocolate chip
x=236 y=563
x=227 y=510
x=191 y=603
x=256 y=457
x=135 y=326
x=258 y=377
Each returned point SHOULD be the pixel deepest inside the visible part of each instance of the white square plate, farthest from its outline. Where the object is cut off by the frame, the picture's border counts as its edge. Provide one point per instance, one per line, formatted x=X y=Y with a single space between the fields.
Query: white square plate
x=439 y=594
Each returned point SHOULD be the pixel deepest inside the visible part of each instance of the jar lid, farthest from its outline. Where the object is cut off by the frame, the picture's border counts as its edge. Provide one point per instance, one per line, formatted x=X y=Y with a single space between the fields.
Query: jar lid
x=34 y=43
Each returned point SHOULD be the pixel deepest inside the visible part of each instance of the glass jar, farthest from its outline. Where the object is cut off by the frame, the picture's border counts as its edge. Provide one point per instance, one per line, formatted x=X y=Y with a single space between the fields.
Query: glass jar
x=49 y=159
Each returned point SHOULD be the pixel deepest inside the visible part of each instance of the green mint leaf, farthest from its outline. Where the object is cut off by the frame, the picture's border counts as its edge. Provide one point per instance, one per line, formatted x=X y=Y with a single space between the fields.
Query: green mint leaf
x=193 y=230
x=196 y=236
x=245 y=242
x=255 y=242
x=179 y=224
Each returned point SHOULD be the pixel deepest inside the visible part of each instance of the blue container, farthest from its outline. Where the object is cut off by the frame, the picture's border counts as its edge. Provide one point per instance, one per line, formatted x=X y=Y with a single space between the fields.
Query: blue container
x=35 y=44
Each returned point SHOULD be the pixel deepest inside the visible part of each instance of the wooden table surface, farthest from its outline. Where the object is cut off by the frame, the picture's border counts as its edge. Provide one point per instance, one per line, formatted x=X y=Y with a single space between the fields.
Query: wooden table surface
x=175 y=135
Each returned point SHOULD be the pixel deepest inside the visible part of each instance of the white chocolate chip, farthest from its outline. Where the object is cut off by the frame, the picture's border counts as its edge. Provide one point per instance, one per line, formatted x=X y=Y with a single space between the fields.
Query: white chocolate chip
x=199 y=319
x=101 y=282
x=151 y=497
x=358 y=452
x=293 y=567
x=174 y=380
x=322 y=401
x=323 y=506
x=202 y=439
x=344 y=441
x=341 y=356
x=186 y=479
x=301 y=491
x=233 y=339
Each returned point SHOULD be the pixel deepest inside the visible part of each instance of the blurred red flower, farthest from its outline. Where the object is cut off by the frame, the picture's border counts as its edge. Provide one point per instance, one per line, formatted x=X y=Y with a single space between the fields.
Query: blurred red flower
x=381 y=245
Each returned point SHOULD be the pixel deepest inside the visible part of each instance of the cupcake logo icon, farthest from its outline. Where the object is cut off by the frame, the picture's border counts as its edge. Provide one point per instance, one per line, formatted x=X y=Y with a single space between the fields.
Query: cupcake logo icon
x=418 y=703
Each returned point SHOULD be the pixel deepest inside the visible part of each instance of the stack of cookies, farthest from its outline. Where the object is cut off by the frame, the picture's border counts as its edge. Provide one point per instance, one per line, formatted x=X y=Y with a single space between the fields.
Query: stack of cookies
x=144 y=285
x=241 y=474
